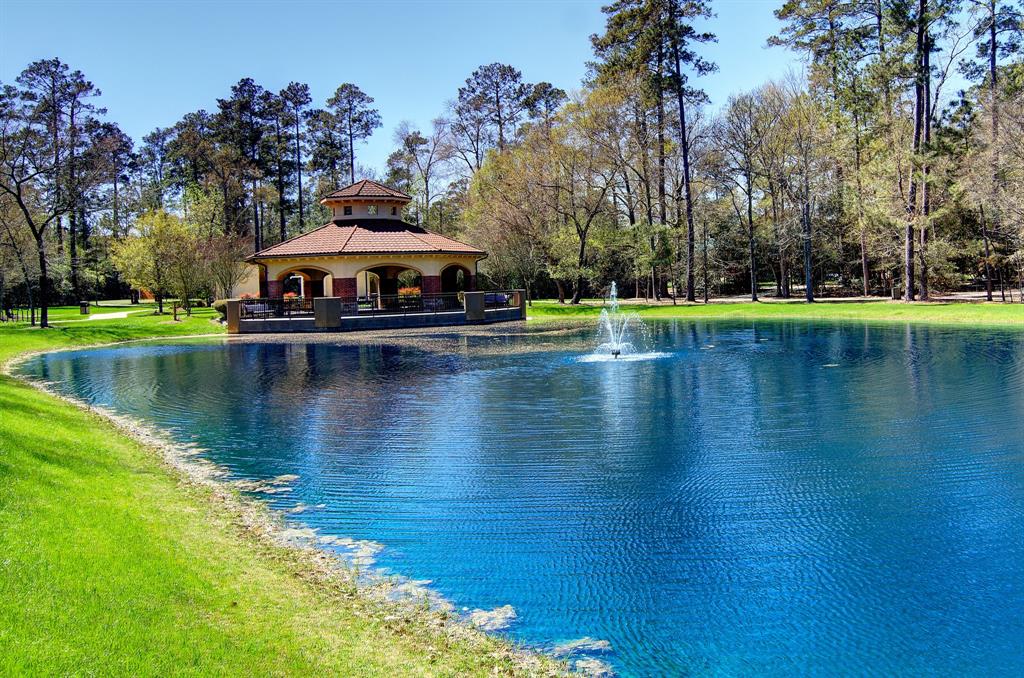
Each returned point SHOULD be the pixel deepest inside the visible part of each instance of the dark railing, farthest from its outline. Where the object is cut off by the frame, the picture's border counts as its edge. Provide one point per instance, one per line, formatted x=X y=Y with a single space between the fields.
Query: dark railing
x=19 y=315
x=262 y=309
x=373 y=305
x=406 y=304
x=495 y=300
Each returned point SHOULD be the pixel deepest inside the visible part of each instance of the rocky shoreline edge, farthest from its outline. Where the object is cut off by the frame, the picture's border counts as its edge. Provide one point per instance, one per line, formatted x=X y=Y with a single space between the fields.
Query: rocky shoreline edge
x=399 y=602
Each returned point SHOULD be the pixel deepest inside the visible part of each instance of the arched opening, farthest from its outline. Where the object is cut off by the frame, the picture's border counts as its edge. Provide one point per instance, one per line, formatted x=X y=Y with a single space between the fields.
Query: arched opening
x=455 y=278
x=303 y=282
x=389 y=285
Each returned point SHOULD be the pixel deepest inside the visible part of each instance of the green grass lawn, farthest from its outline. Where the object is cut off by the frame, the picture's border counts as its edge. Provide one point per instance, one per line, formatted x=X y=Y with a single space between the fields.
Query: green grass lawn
x=976 y=314
x=112 y=565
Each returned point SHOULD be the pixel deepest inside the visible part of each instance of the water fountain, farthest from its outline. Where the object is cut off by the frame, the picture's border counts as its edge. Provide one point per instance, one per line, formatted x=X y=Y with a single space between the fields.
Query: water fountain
x=614 y=327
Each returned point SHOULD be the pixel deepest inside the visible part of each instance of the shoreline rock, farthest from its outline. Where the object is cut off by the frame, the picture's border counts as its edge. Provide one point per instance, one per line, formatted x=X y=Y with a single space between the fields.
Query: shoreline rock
x=398 y=599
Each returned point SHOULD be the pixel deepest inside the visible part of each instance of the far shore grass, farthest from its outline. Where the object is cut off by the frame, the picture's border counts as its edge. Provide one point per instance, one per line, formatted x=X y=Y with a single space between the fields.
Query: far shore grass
x=942 y=313
x=111 y=564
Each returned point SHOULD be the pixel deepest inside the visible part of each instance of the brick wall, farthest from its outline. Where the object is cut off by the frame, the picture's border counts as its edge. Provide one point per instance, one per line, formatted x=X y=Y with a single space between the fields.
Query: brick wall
x=345 y=288
x=431 y=284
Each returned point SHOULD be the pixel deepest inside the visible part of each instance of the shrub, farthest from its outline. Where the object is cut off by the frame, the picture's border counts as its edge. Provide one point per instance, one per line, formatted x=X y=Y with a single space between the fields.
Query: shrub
x=221 y=306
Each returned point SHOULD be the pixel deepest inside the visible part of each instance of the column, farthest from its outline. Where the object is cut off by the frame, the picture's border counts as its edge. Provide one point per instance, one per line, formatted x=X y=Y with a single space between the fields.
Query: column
x=430 y=284
x=345 y=288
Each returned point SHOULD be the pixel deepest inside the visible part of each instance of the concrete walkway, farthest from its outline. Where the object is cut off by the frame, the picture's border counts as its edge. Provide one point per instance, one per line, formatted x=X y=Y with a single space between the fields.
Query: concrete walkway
x=117 y=315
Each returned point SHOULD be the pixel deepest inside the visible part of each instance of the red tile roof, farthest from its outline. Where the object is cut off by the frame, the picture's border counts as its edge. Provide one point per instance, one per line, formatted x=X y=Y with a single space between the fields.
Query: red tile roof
x=367 y=236
x=367 y=189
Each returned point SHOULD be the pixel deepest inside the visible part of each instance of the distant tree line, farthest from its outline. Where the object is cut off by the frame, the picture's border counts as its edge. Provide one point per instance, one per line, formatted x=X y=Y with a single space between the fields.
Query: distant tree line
x=863 y=175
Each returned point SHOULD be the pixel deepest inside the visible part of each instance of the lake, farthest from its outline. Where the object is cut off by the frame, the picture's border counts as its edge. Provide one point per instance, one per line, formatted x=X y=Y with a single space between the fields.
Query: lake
x=761 y=498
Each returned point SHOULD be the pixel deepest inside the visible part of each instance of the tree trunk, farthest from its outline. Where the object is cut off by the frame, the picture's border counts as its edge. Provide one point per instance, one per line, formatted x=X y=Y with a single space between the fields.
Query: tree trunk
x=994 y=94
x=298 y=170
x=926 y=171
x=662 y=211
x=750 y=235
x=988 y=255
x=864 y=271
x=351 y=152
x=577 y=294
x=864 y=259
x=257 y=225
x=662 y=204
x=75 y=197
x=282 y=219
x=684 y=139
x=808 y=262
x=784 y=274
x=44 y=282
x=115 y=215
x=919 y=82
x=705 y=262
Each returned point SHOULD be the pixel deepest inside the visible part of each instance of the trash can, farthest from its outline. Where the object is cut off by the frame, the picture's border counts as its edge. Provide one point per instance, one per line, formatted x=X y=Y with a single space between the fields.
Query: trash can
x=83 y=307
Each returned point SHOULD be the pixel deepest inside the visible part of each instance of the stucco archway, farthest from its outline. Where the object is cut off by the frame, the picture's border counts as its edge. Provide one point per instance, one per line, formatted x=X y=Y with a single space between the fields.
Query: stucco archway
x=389 y=279
x=456 y=278
x=304 y=281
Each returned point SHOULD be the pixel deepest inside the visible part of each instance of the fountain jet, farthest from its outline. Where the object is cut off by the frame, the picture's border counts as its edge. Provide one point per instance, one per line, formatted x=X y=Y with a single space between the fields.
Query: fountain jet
x=614 y=327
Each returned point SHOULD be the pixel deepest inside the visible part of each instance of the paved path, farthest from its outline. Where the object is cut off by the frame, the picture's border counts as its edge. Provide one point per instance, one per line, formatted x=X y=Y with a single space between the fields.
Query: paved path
x=117 y=315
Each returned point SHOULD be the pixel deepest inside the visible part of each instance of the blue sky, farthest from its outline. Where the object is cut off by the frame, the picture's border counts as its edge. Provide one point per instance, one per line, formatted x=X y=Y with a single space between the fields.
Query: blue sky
x=155 y=61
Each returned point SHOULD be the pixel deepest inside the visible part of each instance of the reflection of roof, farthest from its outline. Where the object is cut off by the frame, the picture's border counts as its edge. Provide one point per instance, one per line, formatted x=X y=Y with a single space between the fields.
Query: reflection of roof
x=367 y=189
x=367 y=236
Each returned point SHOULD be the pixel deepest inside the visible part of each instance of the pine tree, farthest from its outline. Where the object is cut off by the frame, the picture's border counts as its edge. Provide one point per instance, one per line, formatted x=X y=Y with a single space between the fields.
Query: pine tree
x=354 y=117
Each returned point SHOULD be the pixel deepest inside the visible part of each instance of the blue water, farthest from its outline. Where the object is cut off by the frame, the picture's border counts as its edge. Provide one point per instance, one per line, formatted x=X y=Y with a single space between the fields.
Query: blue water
x=766 y=499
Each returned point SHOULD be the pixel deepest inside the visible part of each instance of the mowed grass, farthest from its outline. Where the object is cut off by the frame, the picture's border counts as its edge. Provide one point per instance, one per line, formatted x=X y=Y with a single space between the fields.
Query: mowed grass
x=111 y=565
x=974 y=314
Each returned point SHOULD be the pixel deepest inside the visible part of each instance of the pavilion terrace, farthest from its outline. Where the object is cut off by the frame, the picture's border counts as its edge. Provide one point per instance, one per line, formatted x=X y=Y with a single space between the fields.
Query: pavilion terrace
x=368 y=269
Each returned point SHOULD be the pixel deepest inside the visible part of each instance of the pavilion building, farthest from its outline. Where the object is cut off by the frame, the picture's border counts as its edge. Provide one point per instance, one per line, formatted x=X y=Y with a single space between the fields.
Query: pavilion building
x=366 y=250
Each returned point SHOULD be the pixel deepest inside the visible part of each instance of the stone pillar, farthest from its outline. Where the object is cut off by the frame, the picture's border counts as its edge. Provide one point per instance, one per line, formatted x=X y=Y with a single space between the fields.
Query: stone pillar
x=430 y=284
x=475 y=308
x=345 y=288
x=327 y=313
x=519 y=299
x=234 y=315
x=275 y=289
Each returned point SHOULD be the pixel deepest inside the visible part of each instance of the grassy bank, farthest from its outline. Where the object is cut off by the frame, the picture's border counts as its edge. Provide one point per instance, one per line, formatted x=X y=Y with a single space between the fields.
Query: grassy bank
x=979 y=314
x=110 y=564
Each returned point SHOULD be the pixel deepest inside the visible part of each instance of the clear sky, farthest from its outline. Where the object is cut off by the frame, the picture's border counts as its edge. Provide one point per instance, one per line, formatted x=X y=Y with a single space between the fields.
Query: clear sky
x=155 y=61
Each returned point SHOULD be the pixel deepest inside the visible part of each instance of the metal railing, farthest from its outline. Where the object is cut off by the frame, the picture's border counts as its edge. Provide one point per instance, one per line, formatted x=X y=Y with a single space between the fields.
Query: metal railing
x=262 y=309
x=19 y=315
x=498 y=299
x=373 y=305
x=408 y=304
